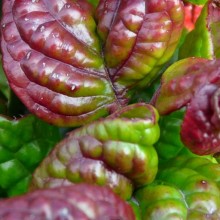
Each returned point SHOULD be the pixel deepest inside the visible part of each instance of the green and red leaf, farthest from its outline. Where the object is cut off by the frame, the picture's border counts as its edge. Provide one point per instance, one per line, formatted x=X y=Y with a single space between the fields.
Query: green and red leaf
x=193 y=83
x=65 y=74
x=117 y=151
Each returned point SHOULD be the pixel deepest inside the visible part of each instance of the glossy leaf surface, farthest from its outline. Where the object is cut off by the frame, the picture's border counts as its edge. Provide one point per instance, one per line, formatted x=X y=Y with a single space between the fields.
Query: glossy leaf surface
x=201 y=194
x=186 y=187
x=116 y=151
x=194 y=83
x=180 y=80
x=84 y=202
x=205 y=165
x=161 y=201
x=200 y=128
x=169 y=144
x=61 y=70
x=203 y=41
x=23 y=145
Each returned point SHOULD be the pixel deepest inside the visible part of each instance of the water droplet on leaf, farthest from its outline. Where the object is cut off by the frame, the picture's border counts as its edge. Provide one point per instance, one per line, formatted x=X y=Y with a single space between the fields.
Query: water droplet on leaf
x=73 y=87
x=42 y=28
x=67 y=5
x=28 y=55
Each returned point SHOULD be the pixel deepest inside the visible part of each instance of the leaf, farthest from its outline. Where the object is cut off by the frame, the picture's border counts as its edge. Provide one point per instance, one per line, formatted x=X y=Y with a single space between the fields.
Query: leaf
x=94 y=2
x=187 y=187
x=136 y=208
x=116 y=151
x=196 y=2
x=161 y=201
x=180 y=81
x=193 y=83
x=65 y=74
x=81 y=201
x=148 y=37
x=200 y=129
x=4 y=88
x=4 y=91
x=203 y=40
x=23 y=144
x=205 y=165
x=169 y=144
x=200 y=193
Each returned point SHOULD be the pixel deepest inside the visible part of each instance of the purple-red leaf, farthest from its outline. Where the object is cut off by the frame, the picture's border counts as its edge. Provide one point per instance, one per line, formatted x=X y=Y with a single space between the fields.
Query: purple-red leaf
x=61 y=70
x=82 y=201
x=201 y=125
x=181 y=80
x=193 y=83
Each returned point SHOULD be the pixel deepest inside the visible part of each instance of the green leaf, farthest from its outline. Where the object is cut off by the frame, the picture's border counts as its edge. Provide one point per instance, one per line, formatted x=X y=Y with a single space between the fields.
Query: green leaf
x=198 y=179
x=196 y=2
x=160 y=201
x=169 y=144
x=4 y=91
x=23 y=145
x=201 y=194
x=203 y=40
x=4 y=87
x=136 y=208
x=205 y=165
x=94 y=2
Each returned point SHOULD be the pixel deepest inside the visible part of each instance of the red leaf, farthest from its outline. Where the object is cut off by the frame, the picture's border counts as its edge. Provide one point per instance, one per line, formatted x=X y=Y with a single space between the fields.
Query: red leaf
x=81 y=201
x=193 y=83
x=201 y=125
